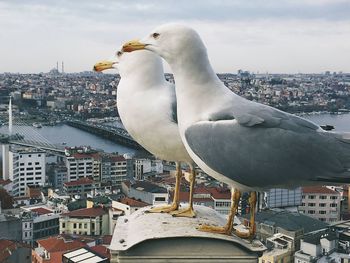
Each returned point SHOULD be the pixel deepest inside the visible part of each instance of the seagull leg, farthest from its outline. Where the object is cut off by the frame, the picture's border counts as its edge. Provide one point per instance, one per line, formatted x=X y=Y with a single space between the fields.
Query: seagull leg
x=227 y=229
x=176 y=200
x=188 y=212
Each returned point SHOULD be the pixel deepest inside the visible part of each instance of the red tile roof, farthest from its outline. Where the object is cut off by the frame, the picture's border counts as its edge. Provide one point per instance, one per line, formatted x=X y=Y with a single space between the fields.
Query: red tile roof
x=132 y=202
x=6 y=246
x=95 y=156
x=34 y=192
x=58 y=243
x=220 y=193
x=79 y=182
x=5 y=182
x=117 y=158
x=41 y=211
x=86 y=212
x=318 y=190
x=101 y=250
x=106 y=240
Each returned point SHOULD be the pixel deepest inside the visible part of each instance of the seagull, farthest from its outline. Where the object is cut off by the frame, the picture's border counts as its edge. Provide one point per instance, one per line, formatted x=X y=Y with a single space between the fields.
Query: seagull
x=247 y=145
x=147 y=107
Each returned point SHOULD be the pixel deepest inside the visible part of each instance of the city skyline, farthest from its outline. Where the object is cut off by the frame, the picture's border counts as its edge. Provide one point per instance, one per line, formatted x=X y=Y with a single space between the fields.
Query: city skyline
x=260 y=36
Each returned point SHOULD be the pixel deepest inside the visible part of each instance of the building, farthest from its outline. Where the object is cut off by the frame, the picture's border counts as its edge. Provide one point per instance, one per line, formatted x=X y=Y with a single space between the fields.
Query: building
x=26 y=167
x=10 y=227
x=11 y=251
x=291 y=224
x=57 y=173
x=39 y=221
x=281 y=198
x=81 y=187
x=142 y=167
x=7 y=185
x=316 y=245
x=109 y=169
x=280 y=249
x=87 y=221
x=320 y=202
x=146 y=192
x=113 y=169
x=81 y=165
x=51 y=249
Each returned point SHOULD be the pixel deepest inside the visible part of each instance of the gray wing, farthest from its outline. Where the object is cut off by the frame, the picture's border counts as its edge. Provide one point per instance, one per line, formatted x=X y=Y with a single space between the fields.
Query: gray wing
x=263 y=157
x=249 y=113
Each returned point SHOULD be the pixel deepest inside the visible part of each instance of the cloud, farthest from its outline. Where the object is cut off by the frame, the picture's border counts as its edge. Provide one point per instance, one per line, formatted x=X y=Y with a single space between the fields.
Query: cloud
x=275 y=36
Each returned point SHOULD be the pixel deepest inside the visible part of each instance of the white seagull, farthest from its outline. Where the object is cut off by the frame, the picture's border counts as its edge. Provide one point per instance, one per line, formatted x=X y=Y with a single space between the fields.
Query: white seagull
x=147 y=107
x=247 y=145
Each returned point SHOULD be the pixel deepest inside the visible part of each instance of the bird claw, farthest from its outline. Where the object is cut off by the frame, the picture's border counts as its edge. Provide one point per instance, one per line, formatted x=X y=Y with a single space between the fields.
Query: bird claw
x=164 y=209
x=188 y=212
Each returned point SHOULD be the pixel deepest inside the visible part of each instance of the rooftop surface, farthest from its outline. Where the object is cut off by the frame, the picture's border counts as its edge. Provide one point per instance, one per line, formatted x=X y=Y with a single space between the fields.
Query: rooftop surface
x=86 y=212
x=58 y=243
x=141 y=226
x=148 y=187
x=288 y=220
x=318 y=190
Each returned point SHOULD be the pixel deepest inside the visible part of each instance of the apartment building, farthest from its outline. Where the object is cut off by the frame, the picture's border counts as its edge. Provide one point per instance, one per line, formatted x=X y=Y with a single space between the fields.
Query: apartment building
x=321 y=203
x=87 y=221
x=26 y=167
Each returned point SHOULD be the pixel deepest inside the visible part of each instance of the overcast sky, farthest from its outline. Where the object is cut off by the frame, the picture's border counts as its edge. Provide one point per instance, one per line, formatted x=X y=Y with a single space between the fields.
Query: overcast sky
x=257 y=35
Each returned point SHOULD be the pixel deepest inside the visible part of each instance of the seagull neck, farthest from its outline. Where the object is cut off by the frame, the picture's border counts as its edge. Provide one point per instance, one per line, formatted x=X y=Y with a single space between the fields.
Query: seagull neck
x=195 y=70
x=145 y=77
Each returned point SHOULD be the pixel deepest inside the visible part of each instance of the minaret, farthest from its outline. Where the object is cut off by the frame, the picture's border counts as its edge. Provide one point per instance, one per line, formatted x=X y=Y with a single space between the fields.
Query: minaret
x=10 y=117
x=62 y=67
x=57 y=66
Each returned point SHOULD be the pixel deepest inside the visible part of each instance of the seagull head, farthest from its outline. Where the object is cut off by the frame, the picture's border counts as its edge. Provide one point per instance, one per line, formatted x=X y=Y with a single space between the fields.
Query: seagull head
x=144 y=63
x=169 y=41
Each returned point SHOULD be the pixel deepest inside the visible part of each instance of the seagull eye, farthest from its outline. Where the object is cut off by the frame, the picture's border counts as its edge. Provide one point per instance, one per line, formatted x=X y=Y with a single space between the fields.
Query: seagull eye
x=119 y=53
x=155 y=35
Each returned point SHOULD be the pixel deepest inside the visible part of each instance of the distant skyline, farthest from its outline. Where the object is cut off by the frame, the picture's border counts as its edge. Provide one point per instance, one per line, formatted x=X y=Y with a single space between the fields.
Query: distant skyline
x=286 y=36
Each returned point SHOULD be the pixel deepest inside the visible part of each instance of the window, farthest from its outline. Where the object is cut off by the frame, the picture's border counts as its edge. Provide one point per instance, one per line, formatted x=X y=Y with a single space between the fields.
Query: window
x=334 y=197
x=21 y=164
x=311 y=204
x=37 y=163
x=333 y=205
x=311 y=212
x=311 y=197
x=85 y=225
x=29 y=163
x=322 y=204
x=75 y=225
x=322 y=212
x=323 y=197
x=63 y=225
x=39 y=155
x=159 y=199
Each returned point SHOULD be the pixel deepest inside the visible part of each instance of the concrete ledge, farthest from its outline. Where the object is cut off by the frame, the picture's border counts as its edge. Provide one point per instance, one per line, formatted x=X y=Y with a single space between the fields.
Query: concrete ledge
x=151 y=237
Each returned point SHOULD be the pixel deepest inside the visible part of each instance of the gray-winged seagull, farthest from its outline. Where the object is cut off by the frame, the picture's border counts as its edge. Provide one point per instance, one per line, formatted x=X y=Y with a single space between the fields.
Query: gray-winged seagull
x=249 y=146
x=147 y=107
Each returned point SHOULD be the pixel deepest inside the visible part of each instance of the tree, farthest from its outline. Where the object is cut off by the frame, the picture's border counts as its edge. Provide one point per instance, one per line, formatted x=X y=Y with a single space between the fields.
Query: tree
x=6 y=199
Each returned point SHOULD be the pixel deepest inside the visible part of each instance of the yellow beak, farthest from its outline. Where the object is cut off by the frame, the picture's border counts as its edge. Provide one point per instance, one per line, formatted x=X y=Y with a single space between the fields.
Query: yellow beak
x=103 y=65
x=133 y=45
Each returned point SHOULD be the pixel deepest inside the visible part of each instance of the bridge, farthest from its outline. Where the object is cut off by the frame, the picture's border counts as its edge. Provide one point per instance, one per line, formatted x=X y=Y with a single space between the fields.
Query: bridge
x=114 y=134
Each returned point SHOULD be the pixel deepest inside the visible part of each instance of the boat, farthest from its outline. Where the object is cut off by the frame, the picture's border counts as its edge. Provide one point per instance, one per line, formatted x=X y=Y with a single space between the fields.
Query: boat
x=37 y=125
